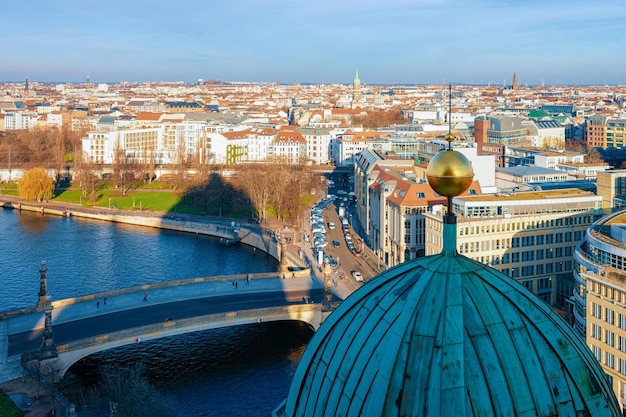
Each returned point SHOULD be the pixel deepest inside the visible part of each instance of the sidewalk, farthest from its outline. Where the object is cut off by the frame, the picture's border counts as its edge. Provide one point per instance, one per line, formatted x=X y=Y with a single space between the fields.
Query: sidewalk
x=97 y=305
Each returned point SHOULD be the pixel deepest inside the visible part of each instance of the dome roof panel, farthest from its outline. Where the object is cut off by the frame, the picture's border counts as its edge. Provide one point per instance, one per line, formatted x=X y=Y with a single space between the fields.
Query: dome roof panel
x=444 y=335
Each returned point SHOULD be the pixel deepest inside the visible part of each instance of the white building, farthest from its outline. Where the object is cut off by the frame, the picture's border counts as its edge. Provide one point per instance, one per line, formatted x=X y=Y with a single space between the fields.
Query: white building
x=20 y=120
x=318 y=144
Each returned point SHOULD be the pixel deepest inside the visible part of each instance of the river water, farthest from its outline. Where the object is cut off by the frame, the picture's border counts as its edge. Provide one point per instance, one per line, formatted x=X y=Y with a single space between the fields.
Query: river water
x=236 y=371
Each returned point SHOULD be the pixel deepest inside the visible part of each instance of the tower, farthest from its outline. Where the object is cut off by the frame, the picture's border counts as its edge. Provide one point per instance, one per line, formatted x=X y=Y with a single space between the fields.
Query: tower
x=514 y=86
x=356 y=91
x=26 y=92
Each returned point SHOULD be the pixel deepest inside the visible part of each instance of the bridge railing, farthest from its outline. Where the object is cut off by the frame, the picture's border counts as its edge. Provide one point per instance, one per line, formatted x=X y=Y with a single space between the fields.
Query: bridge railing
x=257 y=314
x=158 y=285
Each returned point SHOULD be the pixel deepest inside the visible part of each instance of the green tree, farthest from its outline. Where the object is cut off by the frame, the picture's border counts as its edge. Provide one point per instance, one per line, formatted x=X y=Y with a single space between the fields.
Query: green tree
x=36 y=185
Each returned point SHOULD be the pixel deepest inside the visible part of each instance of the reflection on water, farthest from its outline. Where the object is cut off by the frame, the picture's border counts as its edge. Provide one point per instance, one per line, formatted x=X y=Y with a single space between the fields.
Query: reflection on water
x=235 y=371
x=87 y=256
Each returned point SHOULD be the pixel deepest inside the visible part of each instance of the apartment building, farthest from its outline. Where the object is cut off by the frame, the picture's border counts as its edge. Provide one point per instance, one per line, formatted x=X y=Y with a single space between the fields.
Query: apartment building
x=318 y=144
x=594 y=132
x=529 y=236
x=138 y=144
x=600 y=298
x=289 y=146
x=398 y=200
x=20 y=120
x=364 y=176
x=602 y=132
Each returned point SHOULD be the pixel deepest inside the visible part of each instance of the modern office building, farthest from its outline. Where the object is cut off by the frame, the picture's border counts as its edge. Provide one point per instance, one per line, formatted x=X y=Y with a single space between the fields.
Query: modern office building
x=529 y=236
x=600 y=299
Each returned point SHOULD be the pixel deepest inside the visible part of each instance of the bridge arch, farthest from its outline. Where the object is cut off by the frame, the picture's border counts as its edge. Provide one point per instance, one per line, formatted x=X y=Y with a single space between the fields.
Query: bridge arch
x=70 y=353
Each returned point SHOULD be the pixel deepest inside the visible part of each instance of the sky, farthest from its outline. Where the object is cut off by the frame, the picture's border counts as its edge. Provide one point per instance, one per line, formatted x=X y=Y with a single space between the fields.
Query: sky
x=550 y=42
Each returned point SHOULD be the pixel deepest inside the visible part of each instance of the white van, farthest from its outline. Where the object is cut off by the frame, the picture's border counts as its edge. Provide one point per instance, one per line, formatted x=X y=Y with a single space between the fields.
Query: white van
x=331 y=225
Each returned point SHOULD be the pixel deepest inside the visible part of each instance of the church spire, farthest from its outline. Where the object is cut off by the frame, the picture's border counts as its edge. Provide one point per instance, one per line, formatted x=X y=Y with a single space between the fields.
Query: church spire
x=356 y=91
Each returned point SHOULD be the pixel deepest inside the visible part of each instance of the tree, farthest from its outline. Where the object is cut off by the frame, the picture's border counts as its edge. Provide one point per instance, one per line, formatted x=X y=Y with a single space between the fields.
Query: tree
x=256 y=182
x=125 y=169
x=36 y=185
x=128 y=392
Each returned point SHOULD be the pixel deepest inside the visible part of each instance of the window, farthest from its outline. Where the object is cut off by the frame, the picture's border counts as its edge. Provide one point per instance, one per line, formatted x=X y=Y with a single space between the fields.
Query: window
x=609 y=338
x=609 y=360
x=421 y=195
x=621 y=343
x=596 y=331
x=597 y=310
x=515 y=242
x=597 y=352
x=609 y=316
x=622 y=366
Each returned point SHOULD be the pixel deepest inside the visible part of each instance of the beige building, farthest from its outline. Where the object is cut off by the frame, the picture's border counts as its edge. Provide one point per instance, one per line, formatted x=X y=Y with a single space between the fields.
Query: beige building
x=600 y=299
x=398 y=201
x=529 y=236
x=611 y=186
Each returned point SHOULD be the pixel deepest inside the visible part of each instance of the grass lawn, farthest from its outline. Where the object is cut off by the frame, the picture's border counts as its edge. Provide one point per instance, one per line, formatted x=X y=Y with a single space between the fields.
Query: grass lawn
x=9 y=189
x=154 y=199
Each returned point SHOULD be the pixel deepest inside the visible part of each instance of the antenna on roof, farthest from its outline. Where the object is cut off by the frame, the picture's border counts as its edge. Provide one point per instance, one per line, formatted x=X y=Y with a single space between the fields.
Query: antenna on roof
x=449 y=115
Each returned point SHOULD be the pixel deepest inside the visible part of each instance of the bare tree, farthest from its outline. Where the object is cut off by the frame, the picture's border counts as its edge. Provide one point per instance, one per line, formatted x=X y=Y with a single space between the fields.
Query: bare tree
x=125 y=169
x=256 y=182
x=88 y=175
x=58 y=150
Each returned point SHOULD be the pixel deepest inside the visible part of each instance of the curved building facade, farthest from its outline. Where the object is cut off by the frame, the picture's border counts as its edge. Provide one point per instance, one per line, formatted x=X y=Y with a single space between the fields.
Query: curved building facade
x=600 y=298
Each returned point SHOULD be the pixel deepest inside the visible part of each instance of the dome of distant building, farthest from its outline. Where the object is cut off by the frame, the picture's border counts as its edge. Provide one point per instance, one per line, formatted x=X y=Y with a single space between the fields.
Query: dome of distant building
x=447 y=336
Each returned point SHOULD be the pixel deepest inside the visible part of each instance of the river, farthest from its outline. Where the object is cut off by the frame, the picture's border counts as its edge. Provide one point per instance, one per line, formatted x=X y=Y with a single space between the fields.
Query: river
x=237 y=371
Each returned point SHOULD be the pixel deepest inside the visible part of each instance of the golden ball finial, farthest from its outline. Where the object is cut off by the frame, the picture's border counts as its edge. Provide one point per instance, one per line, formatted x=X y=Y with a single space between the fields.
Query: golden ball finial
x=449 y=137
x=449 y=173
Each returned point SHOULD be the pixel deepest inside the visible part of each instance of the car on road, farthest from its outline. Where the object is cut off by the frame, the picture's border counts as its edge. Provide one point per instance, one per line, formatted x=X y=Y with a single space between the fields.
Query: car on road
x=336 y=243
x=357 y=276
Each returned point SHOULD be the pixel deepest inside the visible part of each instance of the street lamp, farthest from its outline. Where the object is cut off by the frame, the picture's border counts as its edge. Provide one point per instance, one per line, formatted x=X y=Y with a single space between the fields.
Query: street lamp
x=109 y=203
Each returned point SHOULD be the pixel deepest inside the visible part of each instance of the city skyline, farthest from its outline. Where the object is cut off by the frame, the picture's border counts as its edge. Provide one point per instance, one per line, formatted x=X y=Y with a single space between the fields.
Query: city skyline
x=398 y=42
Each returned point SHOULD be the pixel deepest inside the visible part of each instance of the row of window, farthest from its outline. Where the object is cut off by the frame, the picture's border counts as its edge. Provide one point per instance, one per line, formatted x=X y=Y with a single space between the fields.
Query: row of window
x=607 y=292
x=530 y=270
x=515 y=257
x=526 y=225
x=608 y=359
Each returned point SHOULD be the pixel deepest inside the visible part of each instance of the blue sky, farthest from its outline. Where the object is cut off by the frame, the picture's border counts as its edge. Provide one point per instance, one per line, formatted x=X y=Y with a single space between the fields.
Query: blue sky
x=389 y=41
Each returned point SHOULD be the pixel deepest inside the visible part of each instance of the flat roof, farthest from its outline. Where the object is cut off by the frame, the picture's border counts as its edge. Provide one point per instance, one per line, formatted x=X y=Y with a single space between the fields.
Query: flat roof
x=528 y=195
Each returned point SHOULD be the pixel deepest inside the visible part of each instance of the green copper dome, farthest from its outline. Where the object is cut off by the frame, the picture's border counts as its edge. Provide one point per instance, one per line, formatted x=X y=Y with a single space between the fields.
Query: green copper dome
x=447 y=336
